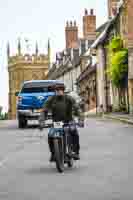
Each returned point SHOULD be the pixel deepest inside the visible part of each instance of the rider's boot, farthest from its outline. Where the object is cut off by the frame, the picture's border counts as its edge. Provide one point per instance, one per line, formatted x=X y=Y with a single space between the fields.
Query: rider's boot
x=76 y=156
x=76 y=149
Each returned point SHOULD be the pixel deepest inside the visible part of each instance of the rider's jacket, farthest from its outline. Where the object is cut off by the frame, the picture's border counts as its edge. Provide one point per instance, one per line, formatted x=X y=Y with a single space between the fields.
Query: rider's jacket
x=62 y=108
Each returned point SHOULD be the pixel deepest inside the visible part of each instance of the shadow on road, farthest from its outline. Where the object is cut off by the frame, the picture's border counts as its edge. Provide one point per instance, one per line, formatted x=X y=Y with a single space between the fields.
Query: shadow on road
x=42 y=170
x=51 y=169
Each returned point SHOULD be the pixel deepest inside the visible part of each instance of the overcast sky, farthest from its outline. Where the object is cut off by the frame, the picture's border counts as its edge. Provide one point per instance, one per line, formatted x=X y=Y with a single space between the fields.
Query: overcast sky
x=39 y=20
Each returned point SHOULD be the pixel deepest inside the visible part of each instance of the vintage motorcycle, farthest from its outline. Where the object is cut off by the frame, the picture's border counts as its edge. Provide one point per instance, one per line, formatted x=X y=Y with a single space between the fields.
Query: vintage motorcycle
x=62 y=143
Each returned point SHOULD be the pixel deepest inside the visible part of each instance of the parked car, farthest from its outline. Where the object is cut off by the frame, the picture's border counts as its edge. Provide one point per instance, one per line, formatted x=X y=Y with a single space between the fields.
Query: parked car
x=31 y=99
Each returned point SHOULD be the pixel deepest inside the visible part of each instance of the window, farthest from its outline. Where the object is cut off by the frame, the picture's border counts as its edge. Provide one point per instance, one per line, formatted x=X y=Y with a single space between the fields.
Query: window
x=36 y=89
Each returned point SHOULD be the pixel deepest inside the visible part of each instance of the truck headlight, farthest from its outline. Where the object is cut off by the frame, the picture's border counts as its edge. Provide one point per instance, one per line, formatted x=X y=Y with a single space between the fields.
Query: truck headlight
x=19 y=100
x=38 y=110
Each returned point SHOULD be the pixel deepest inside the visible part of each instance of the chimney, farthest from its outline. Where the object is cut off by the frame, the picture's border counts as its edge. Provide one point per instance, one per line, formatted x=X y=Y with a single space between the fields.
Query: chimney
x=71 y=32
x=112 y=7
x=89 y=25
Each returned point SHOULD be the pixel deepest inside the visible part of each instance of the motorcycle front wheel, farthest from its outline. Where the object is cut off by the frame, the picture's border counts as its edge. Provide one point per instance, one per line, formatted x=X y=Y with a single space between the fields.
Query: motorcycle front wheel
x=59 y=154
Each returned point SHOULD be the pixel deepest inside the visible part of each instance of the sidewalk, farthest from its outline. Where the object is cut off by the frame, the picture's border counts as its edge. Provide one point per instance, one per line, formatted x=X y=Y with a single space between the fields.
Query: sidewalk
x=126 y=118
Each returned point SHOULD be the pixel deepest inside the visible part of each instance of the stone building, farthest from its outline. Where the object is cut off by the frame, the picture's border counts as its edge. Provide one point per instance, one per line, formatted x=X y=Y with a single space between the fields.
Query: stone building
x=112 y=7
x=86 y=82
x=22 y=68
x=107 y=94
x=67 y=64
x=66 y=68
x=129 y=28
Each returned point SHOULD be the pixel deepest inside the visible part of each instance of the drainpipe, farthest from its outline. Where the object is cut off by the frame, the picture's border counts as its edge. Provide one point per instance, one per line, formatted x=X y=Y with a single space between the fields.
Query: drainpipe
x=96 y=90
x=106 y=79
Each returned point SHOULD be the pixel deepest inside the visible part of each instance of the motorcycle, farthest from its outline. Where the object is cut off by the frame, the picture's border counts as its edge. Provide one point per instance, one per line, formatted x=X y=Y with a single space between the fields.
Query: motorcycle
x=62 y=143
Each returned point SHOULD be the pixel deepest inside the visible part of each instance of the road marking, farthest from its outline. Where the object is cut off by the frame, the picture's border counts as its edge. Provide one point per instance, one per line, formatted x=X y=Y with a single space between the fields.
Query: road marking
x=2 y=162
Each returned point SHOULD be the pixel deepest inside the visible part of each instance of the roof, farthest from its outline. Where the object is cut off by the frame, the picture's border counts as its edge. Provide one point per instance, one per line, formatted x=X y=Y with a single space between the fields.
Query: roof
x=107 y=26
x=104 y=33
x=42 y=81
x=86 y=72
x=70 y=63
x=102 y=27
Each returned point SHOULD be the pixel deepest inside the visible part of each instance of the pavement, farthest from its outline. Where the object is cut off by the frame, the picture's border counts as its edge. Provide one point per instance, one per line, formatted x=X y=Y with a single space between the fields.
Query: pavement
x=125 y=118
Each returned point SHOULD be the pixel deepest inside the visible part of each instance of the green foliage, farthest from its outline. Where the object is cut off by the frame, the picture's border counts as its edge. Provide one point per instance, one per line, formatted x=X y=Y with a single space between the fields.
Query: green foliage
x=118 y=64
x=116 y=44
x=3 y=116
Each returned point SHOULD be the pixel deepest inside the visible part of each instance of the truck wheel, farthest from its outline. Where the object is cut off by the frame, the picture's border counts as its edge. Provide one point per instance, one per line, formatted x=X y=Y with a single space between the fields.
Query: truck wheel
x=22 y=123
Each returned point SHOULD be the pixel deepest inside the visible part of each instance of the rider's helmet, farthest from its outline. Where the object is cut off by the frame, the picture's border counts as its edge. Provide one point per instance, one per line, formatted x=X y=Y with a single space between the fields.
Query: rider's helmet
x=59 y=86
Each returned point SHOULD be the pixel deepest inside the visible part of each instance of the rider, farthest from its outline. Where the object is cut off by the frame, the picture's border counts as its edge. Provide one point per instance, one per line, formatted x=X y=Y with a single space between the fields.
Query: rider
x=62 y=108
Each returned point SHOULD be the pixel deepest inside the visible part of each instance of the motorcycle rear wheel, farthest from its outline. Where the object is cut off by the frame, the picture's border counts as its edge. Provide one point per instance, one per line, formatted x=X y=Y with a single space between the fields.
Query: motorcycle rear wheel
x=70 y=161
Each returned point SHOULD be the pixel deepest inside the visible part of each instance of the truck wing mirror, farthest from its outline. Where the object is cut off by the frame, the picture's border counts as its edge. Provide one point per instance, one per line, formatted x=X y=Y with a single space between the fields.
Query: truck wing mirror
x=16 y=93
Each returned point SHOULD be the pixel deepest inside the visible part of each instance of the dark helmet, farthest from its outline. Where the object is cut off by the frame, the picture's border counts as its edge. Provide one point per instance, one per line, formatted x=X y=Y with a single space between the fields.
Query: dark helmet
x=59 y=86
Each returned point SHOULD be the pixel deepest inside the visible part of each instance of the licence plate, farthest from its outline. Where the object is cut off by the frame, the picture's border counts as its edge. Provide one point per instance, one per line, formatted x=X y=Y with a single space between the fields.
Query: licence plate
x=58 y=124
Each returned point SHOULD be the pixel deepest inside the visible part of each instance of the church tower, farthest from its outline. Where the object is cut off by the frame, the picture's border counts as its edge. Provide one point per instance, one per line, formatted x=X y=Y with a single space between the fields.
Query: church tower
x=23 y=67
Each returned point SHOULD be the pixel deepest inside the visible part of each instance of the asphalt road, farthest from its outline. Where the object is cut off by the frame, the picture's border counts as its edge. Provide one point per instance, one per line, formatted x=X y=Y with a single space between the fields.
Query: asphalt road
x=105 y=171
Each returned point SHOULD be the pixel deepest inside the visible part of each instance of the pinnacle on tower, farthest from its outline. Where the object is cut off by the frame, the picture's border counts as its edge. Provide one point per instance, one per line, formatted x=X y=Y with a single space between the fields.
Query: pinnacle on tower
x=8 y=50
x=19 y=47
x=36 y=49
x=49 y=50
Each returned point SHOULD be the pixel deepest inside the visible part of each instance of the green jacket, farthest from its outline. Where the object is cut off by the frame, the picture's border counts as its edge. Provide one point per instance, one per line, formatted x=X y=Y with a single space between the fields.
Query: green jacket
x=63 y=108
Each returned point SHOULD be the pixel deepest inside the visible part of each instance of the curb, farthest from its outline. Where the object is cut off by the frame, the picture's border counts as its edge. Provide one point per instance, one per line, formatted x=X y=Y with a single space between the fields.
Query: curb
x=120 y=119
x=124 y=120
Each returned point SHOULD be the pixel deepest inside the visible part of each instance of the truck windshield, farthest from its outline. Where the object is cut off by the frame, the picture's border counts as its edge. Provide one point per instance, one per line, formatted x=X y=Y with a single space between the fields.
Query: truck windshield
x=36 y=89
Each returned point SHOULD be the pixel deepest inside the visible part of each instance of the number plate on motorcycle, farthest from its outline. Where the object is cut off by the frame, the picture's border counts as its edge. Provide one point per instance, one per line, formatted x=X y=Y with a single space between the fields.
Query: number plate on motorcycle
x=58 y=124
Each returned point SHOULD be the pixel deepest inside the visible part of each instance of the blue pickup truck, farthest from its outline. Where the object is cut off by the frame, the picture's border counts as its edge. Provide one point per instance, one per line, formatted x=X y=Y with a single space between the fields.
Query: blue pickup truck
x=31 y=99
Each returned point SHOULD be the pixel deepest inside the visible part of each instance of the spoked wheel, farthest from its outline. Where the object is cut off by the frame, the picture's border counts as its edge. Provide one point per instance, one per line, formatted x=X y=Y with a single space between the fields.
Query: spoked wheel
x=70 y=160
x=59 y=154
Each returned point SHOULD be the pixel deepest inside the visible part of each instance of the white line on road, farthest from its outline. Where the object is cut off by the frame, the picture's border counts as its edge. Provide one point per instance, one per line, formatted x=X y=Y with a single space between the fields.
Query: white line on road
x=2 y=162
